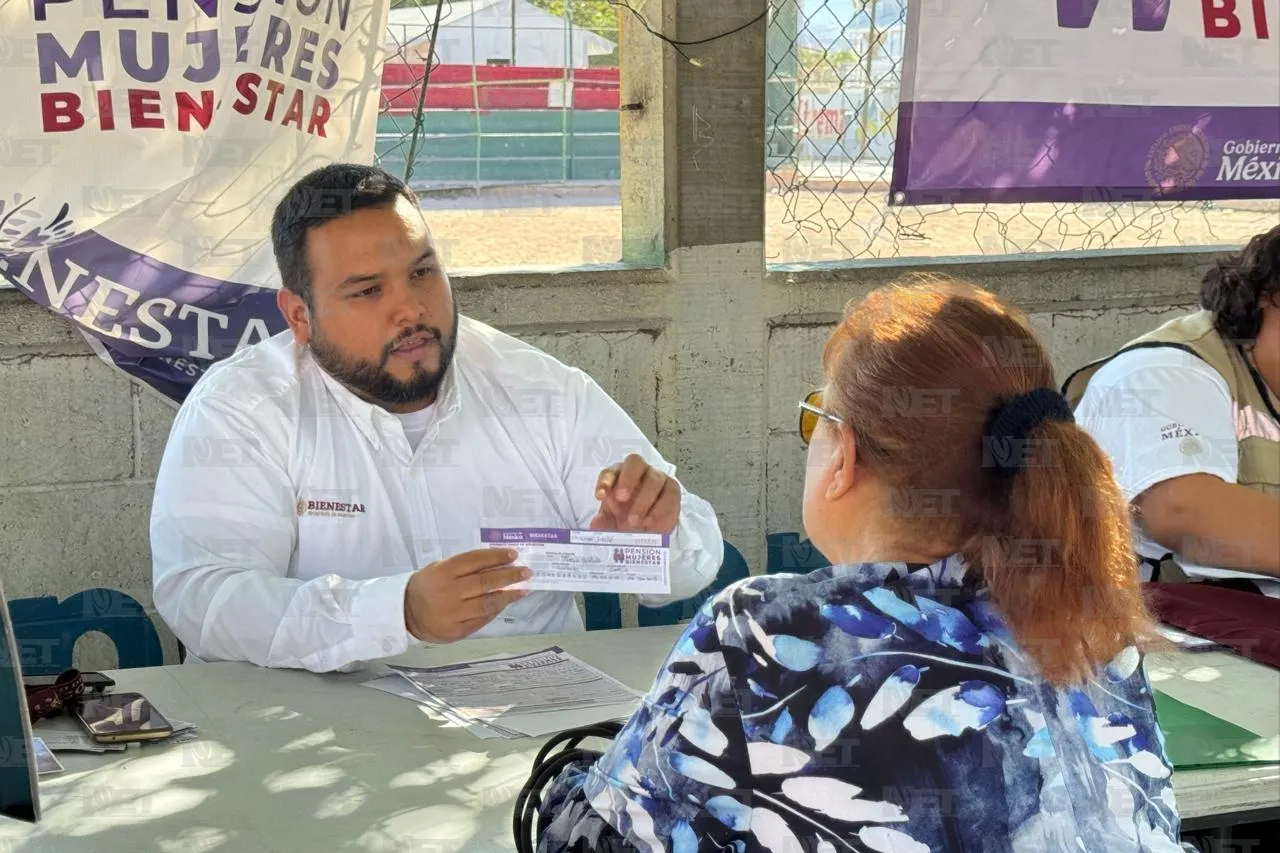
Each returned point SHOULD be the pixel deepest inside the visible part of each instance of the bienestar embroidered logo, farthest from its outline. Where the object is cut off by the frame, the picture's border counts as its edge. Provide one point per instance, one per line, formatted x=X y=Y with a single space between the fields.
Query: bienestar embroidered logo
x=338 y=509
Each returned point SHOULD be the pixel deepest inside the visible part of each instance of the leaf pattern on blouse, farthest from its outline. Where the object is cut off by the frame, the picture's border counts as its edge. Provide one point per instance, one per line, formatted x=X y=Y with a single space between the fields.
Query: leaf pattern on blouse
x=874 y=707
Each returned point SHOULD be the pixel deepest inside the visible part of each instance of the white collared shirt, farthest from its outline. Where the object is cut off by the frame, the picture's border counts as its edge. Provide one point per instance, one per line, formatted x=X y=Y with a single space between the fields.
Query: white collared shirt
x=289 y=514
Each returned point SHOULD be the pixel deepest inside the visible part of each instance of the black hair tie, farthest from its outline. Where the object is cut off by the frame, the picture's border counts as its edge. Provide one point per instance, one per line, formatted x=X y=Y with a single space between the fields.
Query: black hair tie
x=1012 y=421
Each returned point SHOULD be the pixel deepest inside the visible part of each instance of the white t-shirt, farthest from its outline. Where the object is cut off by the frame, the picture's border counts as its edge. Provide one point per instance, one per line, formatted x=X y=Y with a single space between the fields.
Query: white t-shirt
x=415 y=424
x=1160 y=413
x=289 y=514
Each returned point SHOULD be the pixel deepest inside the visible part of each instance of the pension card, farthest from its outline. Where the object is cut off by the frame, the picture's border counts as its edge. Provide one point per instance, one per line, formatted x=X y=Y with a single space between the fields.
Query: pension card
x=587 y=560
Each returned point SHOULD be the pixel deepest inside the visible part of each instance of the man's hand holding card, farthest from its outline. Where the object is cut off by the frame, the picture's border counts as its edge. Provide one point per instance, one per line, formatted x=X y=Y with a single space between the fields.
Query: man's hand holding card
x=627 y=548
x=635 y=497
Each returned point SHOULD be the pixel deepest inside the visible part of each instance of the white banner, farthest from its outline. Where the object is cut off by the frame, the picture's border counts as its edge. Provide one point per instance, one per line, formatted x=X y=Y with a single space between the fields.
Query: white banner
x=144 y=145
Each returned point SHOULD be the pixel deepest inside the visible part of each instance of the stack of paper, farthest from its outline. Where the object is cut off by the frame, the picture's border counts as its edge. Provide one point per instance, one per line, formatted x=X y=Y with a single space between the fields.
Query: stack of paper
x=527 y=695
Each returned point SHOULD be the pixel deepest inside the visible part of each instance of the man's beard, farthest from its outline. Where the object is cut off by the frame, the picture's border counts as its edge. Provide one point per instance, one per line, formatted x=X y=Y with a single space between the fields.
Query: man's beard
x=371 y=380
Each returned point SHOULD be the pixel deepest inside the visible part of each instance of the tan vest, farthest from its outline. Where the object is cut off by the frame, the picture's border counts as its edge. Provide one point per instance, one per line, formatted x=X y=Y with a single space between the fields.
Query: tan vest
x=1255 y=409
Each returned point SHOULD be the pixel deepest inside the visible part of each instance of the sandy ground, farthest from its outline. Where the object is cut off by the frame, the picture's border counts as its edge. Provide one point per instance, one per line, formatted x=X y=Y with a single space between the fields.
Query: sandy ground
x=521 y=227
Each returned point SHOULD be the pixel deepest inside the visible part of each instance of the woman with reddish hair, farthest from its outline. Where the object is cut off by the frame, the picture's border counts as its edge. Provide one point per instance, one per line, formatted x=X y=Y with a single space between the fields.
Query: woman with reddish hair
x=967 y=676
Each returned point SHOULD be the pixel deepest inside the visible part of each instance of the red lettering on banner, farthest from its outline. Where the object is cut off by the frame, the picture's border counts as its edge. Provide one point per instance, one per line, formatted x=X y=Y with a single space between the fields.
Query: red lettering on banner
x=247 y=86
x=293 y=115
x=106 y=115
x=64 y=111
x=189 y=109
x=1220 y=19
x=275 y=88
x=60 y=111
x=319 y=115
x=144 y=109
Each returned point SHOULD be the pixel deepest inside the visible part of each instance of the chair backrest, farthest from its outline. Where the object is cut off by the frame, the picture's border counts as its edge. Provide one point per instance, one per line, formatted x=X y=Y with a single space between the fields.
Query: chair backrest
x=733 y=568
x=789 y=554
x=603 y=611
x=46 y=630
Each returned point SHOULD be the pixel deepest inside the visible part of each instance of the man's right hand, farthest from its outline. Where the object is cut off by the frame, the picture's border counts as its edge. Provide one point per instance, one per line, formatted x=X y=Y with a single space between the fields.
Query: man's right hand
x=452 y=599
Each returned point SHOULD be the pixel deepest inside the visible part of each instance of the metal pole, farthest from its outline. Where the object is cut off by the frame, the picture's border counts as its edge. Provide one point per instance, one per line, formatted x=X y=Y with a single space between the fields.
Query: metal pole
x=566 y=100
x=873 y=41
x=422 y=95
x=513 y=31
x=475 y=104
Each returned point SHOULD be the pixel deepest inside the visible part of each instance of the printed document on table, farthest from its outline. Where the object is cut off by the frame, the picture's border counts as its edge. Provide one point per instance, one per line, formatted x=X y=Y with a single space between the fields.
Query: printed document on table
x=588 y=560
x=397 y=685
x=525 y=691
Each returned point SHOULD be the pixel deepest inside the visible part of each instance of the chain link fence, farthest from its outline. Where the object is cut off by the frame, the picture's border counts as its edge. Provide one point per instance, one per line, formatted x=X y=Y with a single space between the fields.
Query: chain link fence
x=833 y=73
x=503 y=115
x=516 y=118
x=481 y=93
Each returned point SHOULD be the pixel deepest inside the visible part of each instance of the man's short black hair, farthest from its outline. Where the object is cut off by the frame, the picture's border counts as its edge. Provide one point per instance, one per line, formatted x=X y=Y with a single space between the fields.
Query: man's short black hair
x=321 y=196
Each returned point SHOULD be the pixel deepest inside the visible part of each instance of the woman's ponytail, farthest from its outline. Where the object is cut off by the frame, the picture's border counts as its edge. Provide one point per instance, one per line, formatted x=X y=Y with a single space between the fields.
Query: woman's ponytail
x=1055 y=550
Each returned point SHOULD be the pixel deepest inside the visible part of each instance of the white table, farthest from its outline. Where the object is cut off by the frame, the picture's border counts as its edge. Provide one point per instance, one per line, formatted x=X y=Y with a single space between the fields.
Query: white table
x=290 y=761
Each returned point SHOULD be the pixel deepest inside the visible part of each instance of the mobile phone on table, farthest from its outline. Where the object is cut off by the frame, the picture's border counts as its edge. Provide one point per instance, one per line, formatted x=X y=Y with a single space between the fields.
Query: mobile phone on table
x=122 y=718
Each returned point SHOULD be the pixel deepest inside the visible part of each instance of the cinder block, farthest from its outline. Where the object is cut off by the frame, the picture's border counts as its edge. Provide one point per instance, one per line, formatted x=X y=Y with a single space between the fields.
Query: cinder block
x=62 y=541
x=155 y=419
x=1074 y=338
x=65 y=419
x=784 y=484
x=26 y=326
x=795 y=369
x=624 y=363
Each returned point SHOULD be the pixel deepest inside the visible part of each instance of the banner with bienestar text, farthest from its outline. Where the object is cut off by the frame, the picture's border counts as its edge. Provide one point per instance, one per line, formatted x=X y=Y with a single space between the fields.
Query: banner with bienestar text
x=144 y=145
x=1088 y=100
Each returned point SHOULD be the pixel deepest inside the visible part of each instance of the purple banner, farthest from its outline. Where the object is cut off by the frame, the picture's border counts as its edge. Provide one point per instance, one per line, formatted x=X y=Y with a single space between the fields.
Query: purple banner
x=956 y=153
x=159 y=323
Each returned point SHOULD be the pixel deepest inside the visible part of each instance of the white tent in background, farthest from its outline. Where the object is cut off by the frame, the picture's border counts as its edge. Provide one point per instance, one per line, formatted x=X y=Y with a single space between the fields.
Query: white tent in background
x=475 y=32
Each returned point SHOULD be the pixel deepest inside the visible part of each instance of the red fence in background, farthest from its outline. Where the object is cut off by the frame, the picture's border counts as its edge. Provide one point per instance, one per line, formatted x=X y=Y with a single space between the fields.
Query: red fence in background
x=498 y=87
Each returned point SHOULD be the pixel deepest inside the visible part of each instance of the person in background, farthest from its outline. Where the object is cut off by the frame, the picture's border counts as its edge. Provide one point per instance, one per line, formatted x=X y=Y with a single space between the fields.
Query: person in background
x=1190 y=416
x=966 y=676
x=320 y=500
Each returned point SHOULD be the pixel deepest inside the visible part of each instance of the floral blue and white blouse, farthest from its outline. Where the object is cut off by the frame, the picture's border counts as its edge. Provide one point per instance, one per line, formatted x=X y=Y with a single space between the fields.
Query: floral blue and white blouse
x=874 y=707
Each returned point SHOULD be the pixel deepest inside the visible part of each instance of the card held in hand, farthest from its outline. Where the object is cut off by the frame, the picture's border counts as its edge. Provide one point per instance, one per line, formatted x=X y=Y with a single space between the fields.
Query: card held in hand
x=587 y=560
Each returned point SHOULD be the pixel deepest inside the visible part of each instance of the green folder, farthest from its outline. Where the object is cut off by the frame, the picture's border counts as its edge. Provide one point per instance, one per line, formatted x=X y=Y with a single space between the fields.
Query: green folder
x=1196 y=739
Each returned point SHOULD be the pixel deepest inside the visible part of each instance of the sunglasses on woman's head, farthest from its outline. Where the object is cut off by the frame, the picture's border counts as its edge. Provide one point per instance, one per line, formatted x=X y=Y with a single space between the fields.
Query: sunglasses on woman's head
x=810 y=411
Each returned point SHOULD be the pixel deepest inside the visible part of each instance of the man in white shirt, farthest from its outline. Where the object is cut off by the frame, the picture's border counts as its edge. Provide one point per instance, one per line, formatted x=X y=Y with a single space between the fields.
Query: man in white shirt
x=320 y=499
